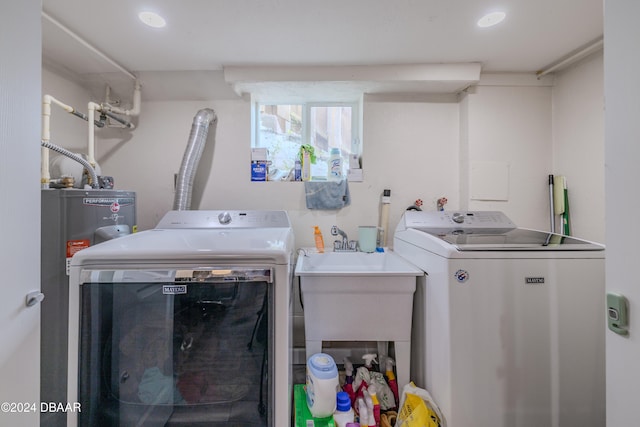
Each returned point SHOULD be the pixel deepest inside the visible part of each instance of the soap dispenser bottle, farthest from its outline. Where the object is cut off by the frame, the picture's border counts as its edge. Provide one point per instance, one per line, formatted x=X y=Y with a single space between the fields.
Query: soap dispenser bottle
x=317 y=234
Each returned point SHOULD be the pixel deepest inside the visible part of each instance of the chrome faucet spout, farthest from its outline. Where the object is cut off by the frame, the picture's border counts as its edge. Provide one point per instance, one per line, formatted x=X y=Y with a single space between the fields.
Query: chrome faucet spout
x=344 y=244
x=335 y=231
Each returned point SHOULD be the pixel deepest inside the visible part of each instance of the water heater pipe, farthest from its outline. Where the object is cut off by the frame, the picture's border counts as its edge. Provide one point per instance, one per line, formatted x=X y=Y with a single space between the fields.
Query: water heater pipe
x=195 y=146
x=45 y=136
x=135 y=108
x=120 y=120
x=46 y=145
x=92 y=107
x=106 y=109
x=47 y=101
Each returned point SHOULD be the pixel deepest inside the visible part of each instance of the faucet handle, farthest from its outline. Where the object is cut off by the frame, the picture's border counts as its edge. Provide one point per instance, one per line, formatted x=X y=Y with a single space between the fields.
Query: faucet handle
x=353 y=245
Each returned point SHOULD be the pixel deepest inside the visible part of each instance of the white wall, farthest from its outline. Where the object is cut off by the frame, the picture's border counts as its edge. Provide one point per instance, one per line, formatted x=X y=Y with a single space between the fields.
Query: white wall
x=410 y=148
x=20 y=75
x=578 y=143
x=417 y=149
x=511 y=125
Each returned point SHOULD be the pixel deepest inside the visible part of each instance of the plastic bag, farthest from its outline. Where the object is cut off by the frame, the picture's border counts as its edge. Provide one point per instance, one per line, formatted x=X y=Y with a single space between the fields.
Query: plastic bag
x=418 y=409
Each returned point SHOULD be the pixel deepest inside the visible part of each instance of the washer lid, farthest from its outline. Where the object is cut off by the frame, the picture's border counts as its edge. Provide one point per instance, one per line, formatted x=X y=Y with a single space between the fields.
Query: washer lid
x=200 y=236
x=519 y=239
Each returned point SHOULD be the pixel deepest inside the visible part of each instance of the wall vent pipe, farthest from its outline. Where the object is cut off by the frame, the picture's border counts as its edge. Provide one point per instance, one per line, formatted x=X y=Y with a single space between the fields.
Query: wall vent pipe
x=202 y=121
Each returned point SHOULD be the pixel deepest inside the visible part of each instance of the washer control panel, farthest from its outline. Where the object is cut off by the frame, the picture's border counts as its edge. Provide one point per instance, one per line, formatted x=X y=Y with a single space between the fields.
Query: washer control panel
x=458 y=220
x=224 y=219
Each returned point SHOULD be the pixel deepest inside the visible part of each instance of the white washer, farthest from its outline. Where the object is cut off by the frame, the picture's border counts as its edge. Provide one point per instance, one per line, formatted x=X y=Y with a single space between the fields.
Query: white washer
x=168 y=315
x=509 y=326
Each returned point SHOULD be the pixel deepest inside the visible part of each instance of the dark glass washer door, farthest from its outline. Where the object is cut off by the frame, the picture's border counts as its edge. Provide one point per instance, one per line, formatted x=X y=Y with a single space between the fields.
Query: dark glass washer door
x=515 y=239
x=190 y=352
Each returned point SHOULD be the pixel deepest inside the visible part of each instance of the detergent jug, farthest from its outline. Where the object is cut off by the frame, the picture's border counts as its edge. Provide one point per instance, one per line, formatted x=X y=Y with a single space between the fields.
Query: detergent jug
x=322 y=385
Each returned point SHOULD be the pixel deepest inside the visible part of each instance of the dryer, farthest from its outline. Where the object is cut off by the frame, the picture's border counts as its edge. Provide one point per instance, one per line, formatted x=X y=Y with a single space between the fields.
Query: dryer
x=509 y=325
x=186 y=324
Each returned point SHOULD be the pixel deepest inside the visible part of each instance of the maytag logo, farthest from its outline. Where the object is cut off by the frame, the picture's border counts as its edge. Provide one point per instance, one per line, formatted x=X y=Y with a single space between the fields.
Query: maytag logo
x=174 y=289
x=533 y=280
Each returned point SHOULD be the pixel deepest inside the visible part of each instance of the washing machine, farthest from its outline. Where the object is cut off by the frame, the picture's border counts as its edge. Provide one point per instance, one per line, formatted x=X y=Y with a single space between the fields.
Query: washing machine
x=509 y=325
x=185 y=324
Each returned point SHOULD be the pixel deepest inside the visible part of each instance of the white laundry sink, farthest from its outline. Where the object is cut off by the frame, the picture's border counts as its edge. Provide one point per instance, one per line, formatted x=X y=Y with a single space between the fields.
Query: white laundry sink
x=357 y=296
x=353 y=263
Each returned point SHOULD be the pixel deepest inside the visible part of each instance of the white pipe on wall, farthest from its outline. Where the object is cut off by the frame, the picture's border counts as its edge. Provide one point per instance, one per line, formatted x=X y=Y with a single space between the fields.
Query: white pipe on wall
x=92 y=107
x=47 y=100
x=87 y=45
x=135 y=109
x=574 y=57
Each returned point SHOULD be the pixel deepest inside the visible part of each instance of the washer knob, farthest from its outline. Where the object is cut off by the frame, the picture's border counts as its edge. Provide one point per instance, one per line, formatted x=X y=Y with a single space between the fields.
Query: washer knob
x=458 y=218
x=224 y=218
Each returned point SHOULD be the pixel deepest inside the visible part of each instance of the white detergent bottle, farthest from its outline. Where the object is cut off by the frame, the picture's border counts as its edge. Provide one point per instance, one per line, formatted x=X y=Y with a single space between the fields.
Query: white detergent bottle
x=344 y=412
x=335 y=165
x=322 y=385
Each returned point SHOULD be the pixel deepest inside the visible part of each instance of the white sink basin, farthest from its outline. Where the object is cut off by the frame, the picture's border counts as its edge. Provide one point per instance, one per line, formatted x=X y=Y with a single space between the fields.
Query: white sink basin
x=357 y=296
x=354 y=263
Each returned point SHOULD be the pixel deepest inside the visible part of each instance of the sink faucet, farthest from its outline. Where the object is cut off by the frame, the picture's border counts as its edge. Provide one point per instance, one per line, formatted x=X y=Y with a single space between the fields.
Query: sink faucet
x=344 y=245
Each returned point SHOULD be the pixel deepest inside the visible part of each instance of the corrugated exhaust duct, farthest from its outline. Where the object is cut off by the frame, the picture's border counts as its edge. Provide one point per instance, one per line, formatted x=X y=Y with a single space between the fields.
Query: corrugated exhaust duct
x=203 y=120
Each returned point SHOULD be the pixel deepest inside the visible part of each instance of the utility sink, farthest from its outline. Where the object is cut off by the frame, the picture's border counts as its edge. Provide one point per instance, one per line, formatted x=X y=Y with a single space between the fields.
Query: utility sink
x=357 y=296
x=354 y=264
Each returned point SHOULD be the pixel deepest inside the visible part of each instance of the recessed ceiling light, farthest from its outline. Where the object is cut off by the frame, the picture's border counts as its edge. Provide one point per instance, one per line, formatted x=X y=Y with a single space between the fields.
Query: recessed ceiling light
x=491 y=19
x=152 y=19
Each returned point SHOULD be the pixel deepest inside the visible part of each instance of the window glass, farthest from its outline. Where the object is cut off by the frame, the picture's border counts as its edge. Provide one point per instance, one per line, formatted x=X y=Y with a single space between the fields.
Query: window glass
x=283 y=129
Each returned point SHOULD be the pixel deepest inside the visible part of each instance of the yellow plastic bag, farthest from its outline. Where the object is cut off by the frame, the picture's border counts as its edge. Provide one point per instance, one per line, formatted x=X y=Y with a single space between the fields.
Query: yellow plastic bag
x=418 y=409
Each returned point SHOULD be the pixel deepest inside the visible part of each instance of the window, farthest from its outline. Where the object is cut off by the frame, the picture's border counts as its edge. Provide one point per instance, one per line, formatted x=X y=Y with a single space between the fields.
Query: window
x=282 y=129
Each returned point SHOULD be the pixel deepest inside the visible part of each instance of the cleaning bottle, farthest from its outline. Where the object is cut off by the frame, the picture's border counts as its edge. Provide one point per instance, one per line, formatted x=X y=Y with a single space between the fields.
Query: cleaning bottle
x=363 y=414
x=317 y=234
x=348 y=380
x=322 y=385
x=376 y=404
x=335 y=165
x=391 y=379
x=369 y=360
x=369 y=403
x=344 y=413
x=297 y=170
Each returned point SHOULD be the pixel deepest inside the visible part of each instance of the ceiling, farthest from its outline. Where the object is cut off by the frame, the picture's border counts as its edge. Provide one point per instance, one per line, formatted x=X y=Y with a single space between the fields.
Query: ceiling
x=187 y=59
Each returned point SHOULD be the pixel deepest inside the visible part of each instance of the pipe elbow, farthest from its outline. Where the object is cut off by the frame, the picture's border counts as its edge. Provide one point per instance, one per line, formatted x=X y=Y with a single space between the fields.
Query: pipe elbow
x=205 y=116
x=137 y=101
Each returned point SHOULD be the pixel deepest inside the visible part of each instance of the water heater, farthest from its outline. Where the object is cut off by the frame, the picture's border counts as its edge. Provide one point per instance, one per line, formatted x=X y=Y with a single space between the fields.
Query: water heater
x=71 y=220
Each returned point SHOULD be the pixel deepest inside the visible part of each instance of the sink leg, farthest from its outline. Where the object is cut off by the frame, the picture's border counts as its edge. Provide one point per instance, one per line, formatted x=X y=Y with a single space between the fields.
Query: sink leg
x=383 y=350
x=313 y=347
x=403 y=362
